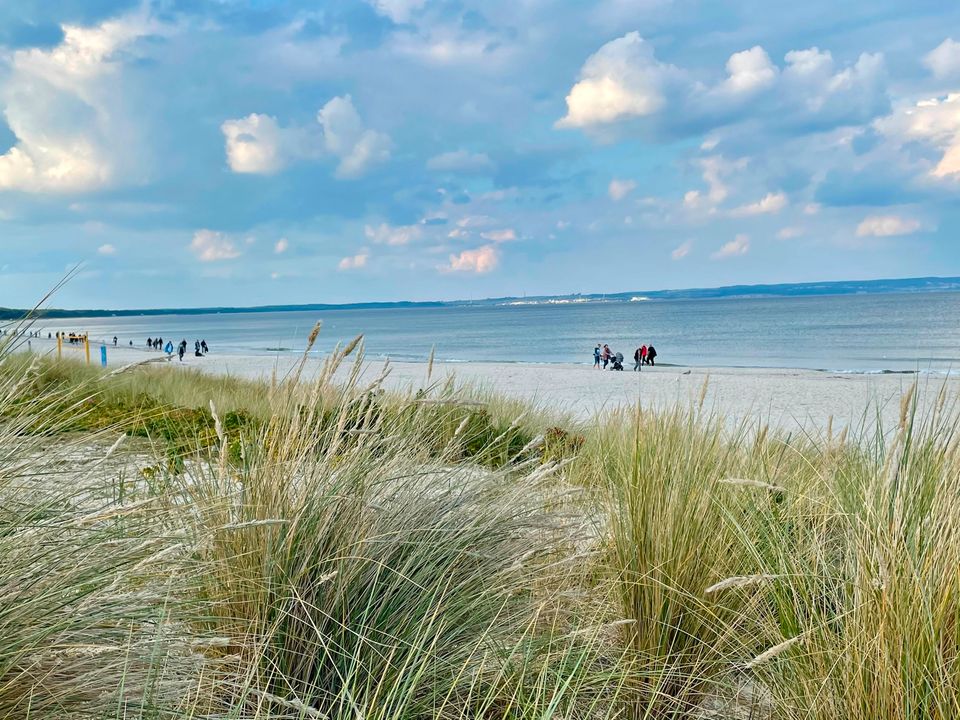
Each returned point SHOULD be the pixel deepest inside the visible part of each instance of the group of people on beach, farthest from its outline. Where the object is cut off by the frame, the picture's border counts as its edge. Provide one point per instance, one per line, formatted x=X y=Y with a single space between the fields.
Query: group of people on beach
x=603 y=355
x=73 y=338
x=200 y=347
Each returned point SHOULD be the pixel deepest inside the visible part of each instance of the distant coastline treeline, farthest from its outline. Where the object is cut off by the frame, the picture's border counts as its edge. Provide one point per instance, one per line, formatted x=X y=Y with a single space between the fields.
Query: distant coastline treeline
x=809 y=289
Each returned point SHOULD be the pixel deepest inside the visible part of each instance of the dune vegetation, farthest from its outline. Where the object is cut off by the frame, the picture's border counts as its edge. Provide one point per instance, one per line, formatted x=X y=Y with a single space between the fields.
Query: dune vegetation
x=176 y=545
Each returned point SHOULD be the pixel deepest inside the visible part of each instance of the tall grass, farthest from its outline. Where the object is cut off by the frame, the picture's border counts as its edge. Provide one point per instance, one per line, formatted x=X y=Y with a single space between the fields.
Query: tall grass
x=317 y=547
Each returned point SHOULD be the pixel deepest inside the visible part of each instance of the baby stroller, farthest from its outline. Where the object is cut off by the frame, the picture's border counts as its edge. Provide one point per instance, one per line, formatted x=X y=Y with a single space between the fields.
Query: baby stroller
x=617 y=362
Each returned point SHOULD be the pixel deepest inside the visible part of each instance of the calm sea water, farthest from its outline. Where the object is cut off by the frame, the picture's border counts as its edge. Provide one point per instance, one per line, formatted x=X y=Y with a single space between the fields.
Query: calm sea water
x=868 y=333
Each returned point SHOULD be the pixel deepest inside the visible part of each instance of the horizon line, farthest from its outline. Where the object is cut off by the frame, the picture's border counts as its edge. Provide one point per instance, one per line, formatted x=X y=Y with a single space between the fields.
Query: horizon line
x=41 y=310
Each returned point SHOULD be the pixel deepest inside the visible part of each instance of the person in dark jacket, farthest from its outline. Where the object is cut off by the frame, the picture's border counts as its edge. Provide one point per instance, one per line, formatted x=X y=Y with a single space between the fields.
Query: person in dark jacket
x=637 y=360
x=651 y=354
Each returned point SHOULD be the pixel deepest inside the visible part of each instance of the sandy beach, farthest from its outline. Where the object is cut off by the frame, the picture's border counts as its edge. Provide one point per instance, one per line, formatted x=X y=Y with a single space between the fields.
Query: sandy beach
x=793 y=400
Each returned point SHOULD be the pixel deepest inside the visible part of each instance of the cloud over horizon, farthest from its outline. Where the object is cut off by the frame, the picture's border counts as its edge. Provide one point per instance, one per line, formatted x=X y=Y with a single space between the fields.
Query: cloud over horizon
x=417 y=146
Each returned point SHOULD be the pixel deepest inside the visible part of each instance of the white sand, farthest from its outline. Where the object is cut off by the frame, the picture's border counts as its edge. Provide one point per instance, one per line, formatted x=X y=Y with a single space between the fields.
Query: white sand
x=789 y=399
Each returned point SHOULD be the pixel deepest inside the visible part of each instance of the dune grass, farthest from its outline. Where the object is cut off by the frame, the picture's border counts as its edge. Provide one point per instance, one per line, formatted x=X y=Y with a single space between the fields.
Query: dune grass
x=313 y=548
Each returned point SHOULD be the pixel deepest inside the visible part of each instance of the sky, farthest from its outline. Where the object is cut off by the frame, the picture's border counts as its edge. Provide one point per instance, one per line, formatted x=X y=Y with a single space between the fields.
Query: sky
x=185 y=153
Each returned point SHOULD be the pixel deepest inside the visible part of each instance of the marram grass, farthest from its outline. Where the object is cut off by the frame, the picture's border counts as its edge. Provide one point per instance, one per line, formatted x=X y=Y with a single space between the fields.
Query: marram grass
x=177 y=545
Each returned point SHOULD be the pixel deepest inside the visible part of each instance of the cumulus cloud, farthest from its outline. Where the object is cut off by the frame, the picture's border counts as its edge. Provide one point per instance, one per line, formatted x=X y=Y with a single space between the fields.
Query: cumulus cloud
x=65 y=104
x=460 y=161
x=622 y=79
x=681 y=251
x=258 y=144
x=749 y=71
x=354 y=262
x=944 y=60
x=740 y=245
x=619 y=189
x=346 y=136
x=887 y=226
x=281 y=246
x=713 y=169
x=384 y=234
x=934 y=123
x=479 y=261
x=771 y=203
x=826 y=96
x=212 y=246
x=500 y=236
x=107 y=249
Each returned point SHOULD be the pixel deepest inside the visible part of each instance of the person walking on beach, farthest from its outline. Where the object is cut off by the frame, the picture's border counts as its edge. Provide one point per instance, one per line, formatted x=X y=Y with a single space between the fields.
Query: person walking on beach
x=605 y=356
x=651 y=355
x=643 y=354
x=114 y=340
x=181 y=349
x=203 y=346
x=596 y=356
x=637 y=360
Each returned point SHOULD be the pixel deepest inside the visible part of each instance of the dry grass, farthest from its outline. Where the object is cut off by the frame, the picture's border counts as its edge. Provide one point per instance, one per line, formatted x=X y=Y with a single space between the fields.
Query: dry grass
x=343 y=552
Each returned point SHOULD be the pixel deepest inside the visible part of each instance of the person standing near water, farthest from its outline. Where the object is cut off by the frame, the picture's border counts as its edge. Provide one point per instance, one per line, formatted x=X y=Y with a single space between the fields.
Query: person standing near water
x=605 y=355
x=596 y=356
x=637 y=360
x=651 y=354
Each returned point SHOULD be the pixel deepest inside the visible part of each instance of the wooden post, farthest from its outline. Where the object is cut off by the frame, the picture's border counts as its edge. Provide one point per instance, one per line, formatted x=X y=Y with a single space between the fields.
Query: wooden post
x=86 y=348
x=60 y=346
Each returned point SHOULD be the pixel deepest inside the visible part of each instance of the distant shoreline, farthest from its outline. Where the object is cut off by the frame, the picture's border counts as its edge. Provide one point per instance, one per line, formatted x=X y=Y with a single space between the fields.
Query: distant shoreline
x=729 y=292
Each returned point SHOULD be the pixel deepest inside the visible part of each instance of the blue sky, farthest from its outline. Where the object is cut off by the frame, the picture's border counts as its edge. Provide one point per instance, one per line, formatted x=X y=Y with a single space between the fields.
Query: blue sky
x=242 y=152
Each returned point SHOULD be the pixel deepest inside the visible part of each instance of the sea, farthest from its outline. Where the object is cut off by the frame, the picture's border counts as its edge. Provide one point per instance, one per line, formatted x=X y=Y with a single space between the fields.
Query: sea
x=869 y=333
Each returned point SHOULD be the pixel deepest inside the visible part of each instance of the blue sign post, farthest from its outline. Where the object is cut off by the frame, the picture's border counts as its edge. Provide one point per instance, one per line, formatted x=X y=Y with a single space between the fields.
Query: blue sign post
x=103 y=355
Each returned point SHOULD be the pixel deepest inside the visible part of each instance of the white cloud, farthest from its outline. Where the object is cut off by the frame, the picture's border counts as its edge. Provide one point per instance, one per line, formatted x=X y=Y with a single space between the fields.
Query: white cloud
x=622 y=79
x=384 y=234
x=887 y=226
x=749 y=71
x=211 y=246
x=500 y=236
x=281 y=246
x=460 y=161
x=258 y=144
x=944 y=60
x=935 y=122
x=107 y=249
x=821 y=93
x=740 y=245
x=714 y=169
x=354 y=262
x=479 y=261
x=65 y=106
x=400 y=11
x=788 y=233
x=681 y=251
x=771 y=203
x=692 y=199
x=619 y=189
x=811 y=209
x=346 y=136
